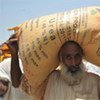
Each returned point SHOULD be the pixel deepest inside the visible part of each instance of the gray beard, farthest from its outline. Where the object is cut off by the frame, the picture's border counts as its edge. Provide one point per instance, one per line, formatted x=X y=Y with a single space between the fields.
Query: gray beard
x=72 y=78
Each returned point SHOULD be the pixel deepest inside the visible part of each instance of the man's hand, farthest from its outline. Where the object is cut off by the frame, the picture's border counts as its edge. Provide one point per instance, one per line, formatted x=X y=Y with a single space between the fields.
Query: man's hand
x=12 y=43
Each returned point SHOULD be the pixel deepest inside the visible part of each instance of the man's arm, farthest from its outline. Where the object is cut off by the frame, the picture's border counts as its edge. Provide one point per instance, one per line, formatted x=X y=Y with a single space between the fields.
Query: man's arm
x=15 y=68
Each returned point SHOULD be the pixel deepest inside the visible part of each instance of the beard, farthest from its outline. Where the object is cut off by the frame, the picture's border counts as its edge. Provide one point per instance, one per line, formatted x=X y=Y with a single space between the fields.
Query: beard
x=74 y=75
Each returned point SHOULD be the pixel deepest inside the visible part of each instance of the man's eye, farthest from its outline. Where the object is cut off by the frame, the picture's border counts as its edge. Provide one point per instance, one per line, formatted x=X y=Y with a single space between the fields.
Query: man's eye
x=77 y=56
x=67 y=57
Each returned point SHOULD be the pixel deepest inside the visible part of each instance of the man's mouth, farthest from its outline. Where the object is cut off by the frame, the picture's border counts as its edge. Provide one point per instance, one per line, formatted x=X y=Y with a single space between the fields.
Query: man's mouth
x=74 y=69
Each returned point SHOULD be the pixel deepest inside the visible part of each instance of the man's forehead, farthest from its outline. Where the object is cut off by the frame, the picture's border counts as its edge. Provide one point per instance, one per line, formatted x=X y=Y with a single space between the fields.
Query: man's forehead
x=70 y=49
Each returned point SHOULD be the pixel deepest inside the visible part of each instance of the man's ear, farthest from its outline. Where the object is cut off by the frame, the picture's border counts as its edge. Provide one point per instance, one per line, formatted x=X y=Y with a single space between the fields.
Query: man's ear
x=60 y=56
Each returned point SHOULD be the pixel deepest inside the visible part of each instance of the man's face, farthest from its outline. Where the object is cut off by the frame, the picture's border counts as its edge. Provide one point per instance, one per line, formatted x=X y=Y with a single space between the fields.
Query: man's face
x=72 y=57
x=3 y=87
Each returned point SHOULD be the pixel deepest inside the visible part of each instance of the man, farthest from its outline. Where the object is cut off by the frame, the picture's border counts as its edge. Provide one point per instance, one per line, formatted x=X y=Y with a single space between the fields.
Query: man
x=71 y=82
x=7 y=91
x=3 y=87
x=3 y=82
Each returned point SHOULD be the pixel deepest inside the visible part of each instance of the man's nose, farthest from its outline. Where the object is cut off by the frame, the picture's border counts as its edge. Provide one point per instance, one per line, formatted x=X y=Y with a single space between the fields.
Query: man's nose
x=73 y=61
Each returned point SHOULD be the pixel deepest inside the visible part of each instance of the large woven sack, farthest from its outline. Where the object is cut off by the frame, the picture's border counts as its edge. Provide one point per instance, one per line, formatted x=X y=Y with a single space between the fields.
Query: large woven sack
x=40 y=40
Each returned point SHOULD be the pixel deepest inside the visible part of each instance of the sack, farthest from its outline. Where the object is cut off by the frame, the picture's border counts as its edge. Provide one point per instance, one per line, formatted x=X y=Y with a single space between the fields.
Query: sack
x=40 y=40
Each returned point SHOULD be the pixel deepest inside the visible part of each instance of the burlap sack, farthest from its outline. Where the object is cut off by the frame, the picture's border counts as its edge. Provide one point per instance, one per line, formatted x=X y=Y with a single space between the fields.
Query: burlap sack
x=40 y=40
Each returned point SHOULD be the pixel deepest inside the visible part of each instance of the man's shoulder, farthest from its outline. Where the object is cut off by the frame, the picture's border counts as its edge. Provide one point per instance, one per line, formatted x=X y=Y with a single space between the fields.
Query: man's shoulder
x=55 y=73
x=93 y=75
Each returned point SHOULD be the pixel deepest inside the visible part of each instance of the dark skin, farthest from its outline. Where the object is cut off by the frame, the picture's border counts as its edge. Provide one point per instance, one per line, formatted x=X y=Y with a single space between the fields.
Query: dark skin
x=3 y=87
x=71 y=55
x=15 y=69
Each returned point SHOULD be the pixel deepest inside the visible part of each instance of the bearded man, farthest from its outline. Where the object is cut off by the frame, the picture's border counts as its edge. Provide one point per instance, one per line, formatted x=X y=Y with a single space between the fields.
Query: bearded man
x=70 y=82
